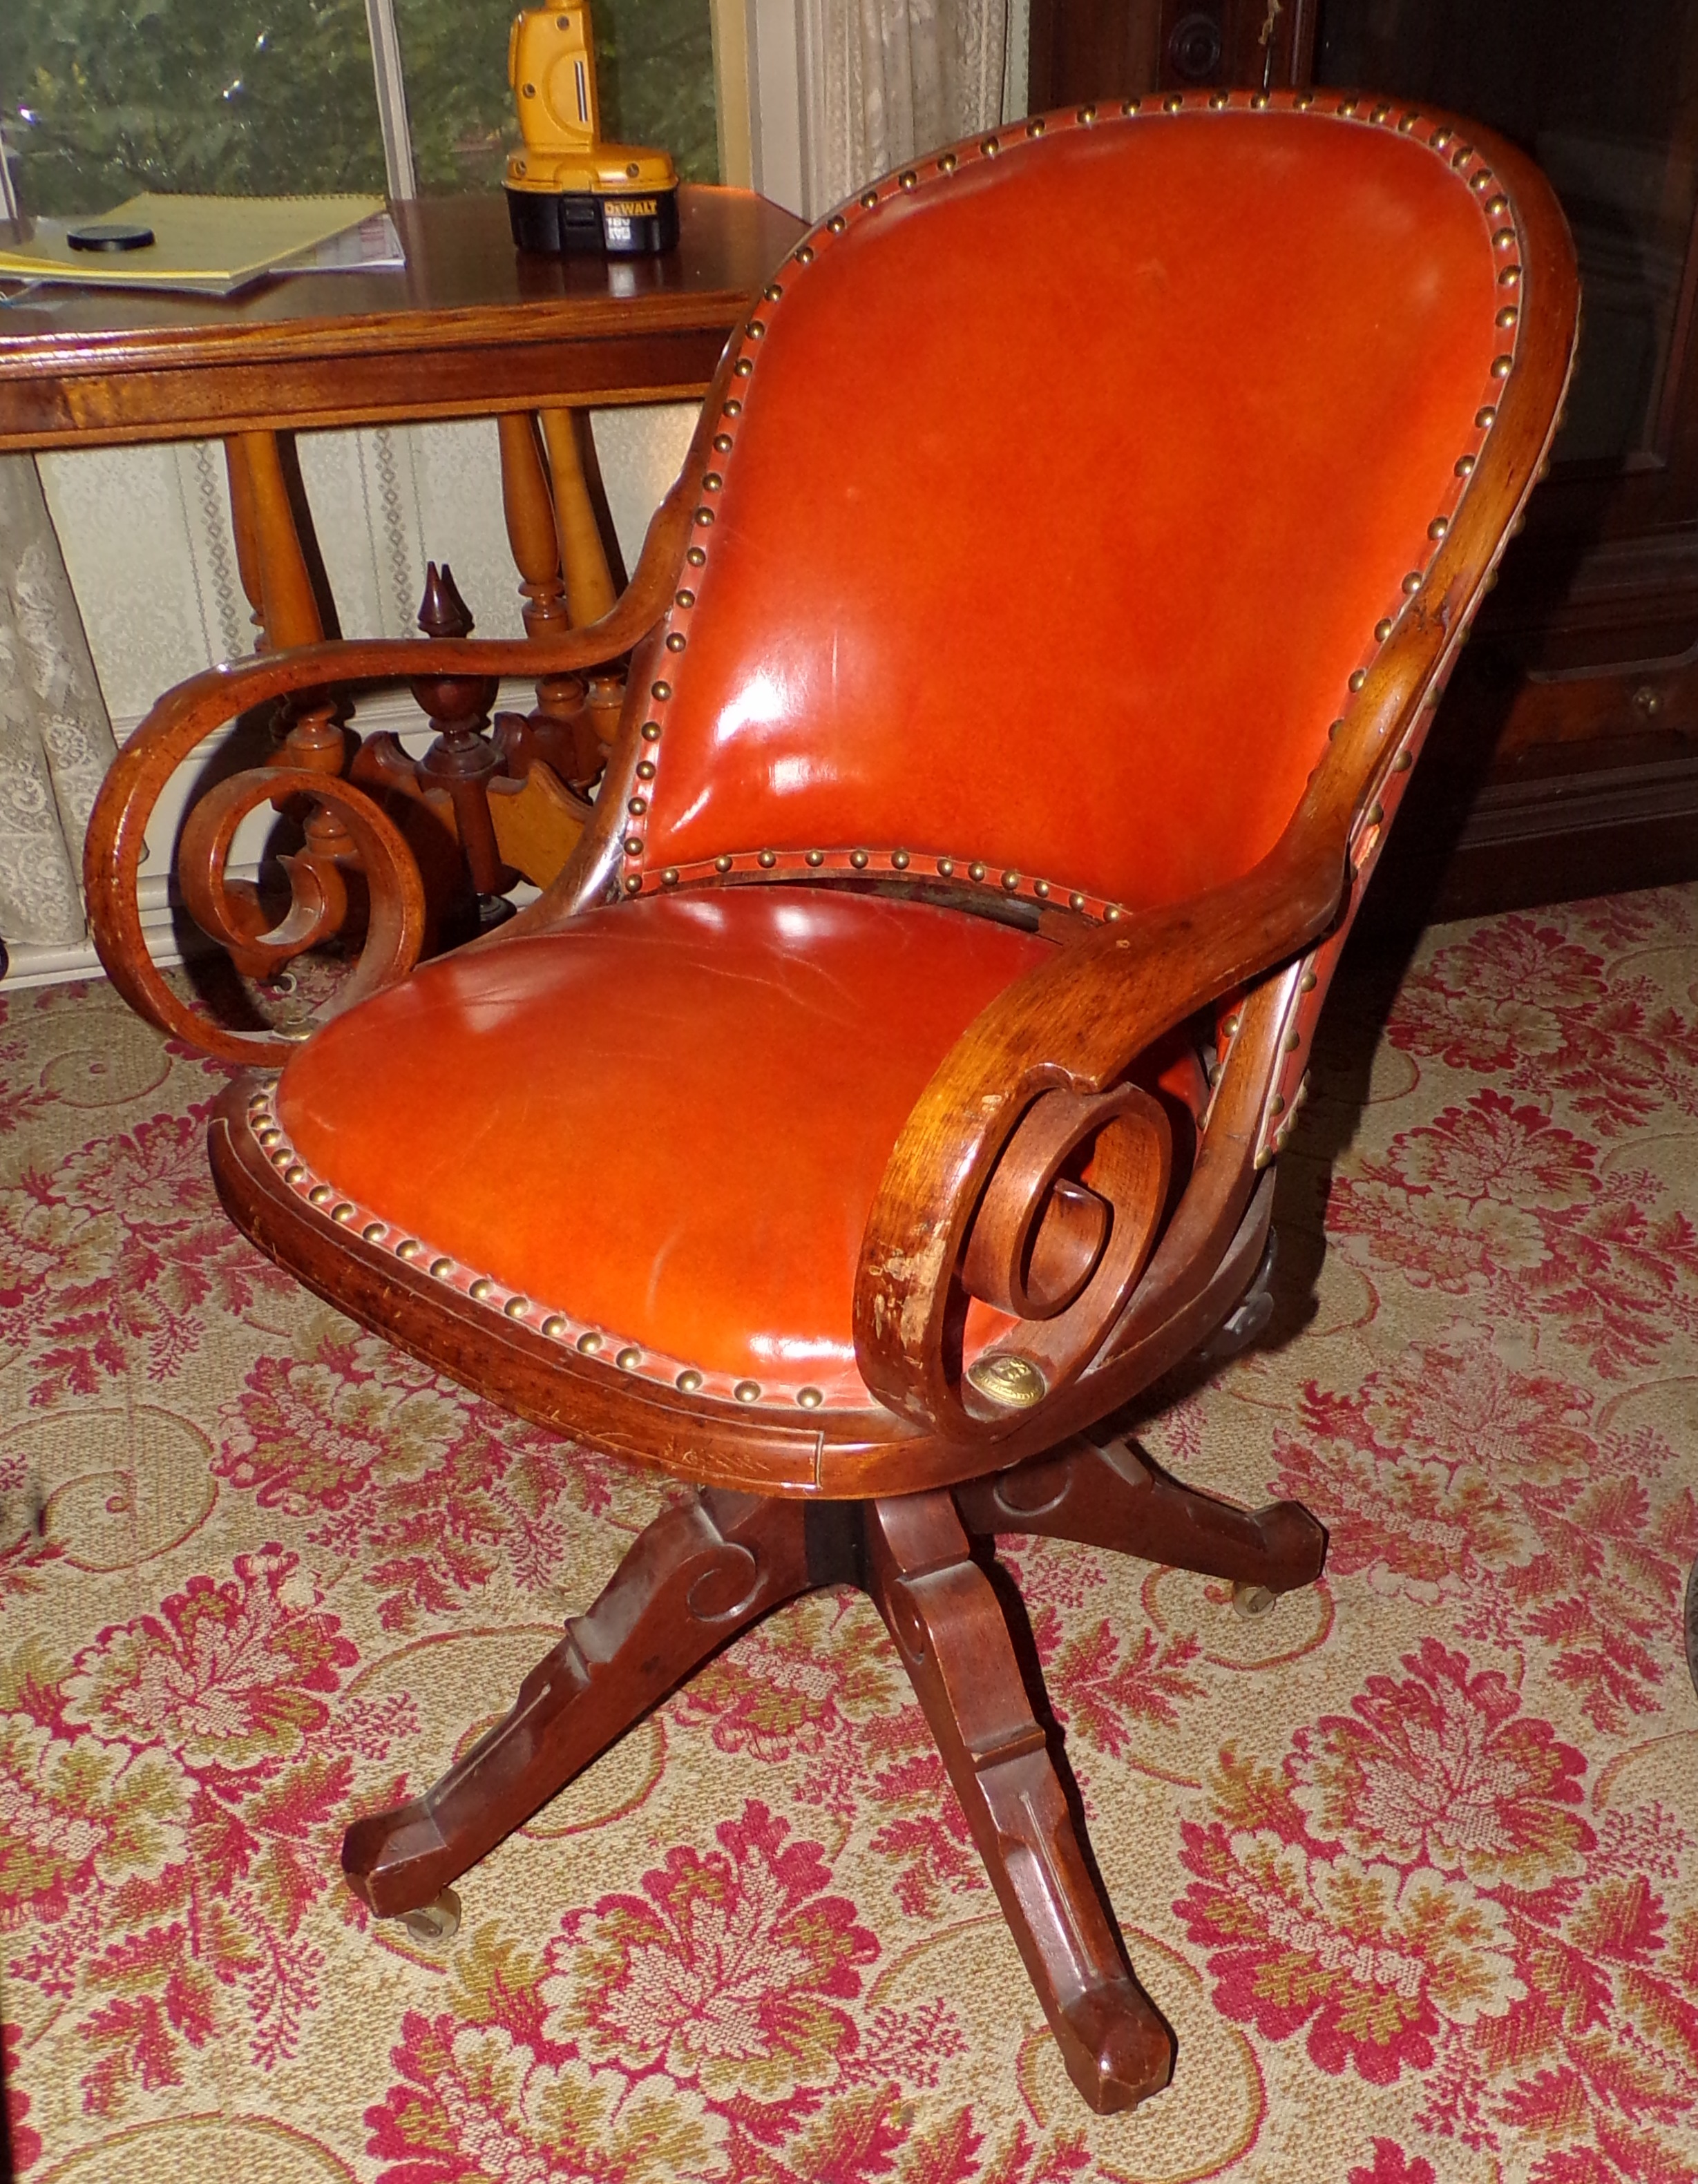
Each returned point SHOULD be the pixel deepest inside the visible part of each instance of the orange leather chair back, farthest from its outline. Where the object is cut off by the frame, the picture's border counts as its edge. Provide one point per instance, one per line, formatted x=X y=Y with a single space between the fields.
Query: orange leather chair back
x=1048 y=526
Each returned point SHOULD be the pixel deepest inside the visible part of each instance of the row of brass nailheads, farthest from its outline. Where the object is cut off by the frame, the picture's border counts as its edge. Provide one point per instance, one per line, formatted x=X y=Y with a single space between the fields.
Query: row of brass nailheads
x=1278 y=1112
x=676 y=642
x=860 y=861
x=1290 y=1044
x=1367 y=846
x=1442 y=139
x=1275 y=1144
x=268 y=1135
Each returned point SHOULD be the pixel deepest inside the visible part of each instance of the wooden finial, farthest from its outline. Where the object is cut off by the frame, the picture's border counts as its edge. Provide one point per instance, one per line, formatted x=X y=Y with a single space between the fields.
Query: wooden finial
x=443 y=612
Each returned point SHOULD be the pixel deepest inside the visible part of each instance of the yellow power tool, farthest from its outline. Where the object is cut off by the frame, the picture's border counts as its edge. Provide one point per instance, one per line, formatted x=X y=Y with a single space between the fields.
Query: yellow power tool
x=567 y=190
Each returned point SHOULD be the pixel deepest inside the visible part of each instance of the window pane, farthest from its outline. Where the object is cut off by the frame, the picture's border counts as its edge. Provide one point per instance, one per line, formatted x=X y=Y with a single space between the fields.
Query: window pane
x=654 y=69
x=105 y=98
x=1606 y=99
x=655 y=63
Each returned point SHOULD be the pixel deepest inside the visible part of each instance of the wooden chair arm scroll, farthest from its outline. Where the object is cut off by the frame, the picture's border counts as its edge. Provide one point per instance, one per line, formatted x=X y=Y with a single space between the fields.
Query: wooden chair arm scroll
x=971 y=1194
x=187 y=714
x=982 y=1196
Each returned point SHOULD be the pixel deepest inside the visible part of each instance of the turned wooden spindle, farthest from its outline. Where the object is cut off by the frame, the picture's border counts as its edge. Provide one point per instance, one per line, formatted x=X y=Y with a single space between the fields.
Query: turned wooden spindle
x=592 y=583
x=548 y=489
x=590 y=588
x=551 y=733
x=462 y=760
x=312 y=739
x=244 y=523
x=279 y=588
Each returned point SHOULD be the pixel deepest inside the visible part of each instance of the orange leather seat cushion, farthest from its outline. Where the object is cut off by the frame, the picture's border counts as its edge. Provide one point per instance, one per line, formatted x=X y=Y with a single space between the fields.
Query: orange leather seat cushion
x=667 y=1122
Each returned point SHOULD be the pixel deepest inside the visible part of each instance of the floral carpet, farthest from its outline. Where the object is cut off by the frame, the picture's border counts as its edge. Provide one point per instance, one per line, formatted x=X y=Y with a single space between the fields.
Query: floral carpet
x=1410 y=1864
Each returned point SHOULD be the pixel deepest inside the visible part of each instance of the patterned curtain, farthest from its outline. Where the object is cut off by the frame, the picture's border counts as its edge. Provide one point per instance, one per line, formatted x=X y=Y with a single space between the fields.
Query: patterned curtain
x=55 y=738
x=890 y=79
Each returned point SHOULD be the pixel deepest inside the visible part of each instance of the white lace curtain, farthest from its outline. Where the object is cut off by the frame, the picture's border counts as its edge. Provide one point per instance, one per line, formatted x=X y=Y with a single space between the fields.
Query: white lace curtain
x=55 y=738
x=891 y=80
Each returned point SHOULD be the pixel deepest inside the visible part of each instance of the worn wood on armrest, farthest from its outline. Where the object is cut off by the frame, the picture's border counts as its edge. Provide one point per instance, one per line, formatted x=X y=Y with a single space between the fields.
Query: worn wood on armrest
x=1073 y=1024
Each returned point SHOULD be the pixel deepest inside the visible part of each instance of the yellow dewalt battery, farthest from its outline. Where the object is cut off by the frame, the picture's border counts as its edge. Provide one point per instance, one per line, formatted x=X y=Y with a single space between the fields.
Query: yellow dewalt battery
x=567 y=190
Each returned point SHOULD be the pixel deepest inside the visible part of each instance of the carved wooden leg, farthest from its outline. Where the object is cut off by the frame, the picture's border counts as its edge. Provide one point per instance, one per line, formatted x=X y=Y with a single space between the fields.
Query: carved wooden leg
x=949 y=1629
x=313 y=738
x=527 y=502
x=697 y=1575
x=590 y=588
x=284 y=610
x=527 y=505
x=1115 y=1497
x=287 y=601
x=244 y=523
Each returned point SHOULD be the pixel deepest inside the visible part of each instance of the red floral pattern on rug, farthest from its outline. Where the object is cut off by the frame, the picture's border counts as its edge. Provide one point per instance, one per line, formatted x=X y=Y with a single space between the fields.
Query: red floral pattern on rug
x=1411 y=1863
x=111 y=1259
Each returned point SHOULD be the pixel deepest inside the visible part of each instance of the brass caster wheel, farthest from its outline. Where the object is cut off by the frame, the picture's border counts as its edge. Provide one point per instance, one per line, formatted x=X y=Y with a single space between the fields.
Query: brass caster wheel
x=1251 y=1600
x=434 y=1926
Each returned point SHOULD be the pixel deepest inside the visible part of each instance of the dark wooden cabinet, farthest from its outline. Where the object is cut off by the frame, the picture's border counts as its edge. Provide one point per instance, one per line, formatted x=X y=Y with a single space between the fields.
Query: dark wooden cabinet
x=1566 y=757
x=1085 y=49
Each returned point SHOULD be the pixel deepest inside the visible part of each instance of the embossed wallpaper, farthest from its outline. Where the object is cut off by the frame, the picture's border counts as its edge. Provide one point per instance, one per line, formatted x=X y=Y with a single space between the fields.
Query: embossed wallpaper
x=384 y=501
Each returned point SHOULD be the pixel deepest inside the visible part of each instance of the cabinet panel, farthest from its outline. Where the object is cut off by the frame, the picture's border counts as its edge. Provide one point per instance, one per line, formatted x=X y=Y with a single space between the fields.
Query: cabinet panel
x=1606 y=99
x=1582 y=684
x=1565 y=759
x=1086 y=49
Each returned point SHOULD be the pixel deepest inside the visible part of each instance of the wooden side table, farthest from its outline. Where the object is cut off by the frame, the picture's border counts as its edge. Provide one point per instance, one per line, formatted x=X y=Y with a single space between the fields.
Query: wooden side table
x=471 y=327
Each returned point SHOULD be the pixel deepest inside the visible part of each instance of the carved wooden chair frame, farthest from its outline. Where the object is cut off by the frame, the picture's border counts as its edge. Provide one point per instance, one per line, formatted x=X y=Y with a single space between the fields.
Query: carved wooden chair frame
x=793 y=1495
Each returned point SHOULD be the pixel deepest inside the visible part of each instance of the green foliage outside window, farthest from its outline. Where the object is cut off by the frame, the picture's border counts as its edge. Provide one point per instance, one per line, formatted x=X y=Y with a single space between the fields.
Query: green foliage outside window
x=105 y=98
x=101 y=98
x=654 y=69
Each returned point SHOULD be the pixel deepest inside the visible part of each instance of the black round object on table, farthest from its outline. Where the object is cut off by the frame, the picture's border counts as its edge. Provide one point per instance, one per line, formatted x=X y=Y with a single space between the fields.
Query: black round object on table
x=109 y=235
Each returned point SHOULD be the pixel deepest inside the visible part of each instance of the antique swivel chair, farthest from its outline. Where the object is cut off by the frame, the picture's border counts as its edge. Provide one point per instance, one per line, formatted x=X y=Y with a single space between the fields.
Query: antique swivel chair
x=1025 y=672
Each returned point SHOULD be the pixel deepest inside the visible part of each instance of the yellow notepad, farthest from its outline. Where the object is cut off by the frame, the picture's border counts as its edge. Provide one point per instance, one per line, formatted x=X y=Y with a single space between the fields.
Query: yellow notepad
x=214 y=245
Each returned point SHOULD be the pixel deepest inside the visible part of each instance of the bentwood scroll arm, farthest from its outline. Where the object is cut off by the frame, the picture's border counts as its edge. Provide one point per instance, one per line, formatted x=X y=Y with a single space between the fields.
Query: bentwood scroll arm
x=187 y=714
x=970 y=1203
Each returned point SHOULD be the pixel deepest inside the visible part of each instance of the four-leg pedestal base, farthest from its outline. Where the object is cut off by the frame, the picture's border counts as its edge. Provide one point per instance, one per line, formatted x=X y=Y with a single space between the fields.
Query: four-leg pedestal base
x=707 y=1570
